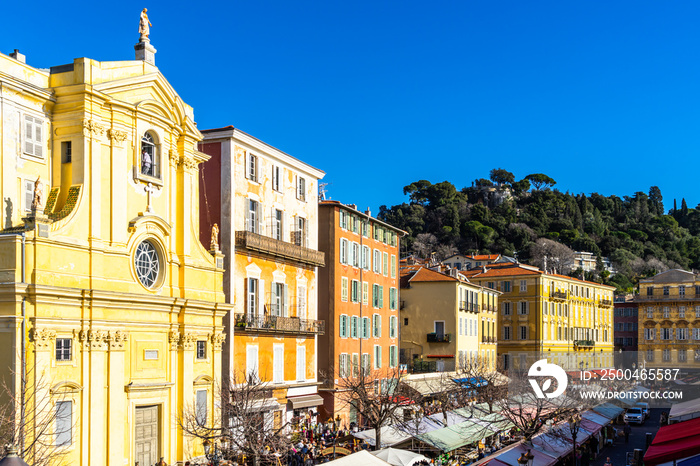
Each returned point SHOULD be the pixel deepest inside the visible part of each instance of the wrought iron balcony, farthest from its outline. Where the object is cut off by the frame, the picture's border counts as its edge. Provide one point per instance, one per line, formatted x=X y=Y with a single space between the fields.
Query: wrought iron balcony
x=278 y=324
x=584 y=343
x=485 y=339
x=277 y=248
x=557 y=294
x=606 y=302
x=438 y=337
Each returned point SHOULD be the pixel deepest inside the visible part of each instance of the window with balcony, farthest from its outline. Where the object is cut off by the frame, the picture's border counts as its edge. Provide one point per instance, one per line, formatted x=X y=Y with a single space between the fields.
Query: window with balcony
x=253 y=217
x=278 y=300
x=252 y=297
x=277 y=222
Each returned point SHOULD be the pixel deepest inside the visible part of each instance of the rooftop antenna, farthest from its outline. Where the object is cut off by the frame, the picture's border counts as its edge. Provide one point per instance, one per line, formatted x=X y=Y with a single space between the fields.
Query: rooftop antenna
x=322 y=191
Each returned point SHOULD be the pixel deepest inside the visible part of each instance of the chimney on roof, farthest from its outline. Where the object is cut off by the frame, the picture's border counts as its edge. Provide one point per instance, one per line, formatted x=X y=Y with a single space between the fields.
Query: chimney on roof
x=368 y=212
x=353 y=206
x=18 y=56
x=483 y=269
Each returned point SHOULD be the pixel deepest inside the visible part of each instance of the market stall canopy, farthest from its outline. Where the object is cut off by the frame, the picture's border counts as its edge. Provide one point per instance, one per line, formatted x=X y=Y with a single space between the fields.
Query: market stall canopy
x=685 y=411
x=362 y=457
x=390 y=436
x=609 y=410
x=456 y=436
x=597 y=418
x=398 y=457
x=674 y=442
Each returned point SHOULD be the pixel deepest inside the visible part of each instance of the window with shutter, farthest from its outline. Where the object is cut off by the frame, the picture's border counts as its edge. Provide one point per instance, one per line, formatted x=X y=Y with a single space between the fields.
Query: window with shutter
x=33 y=136
x=301 y=363
x=277 y=363
x=276 y=178
x=365 y=293
x=393 y=266
x=252 y=363
x=385 y=261
x=28 y=191
x=64 y=423
x=201 y=407
x=344 y=289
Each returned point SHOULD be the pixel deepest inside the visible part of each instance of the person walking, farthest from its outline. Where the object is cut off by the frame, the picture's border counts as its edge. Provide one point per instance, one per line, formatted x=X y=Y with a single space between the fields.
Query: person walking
x=627 y=431
x=608 y=462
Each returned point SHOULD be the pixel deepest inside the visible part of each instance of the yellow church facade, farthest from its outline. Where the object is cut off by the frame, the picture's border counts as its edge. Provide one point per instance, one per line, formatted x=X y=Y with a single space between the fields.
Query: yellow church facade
x=108 y=301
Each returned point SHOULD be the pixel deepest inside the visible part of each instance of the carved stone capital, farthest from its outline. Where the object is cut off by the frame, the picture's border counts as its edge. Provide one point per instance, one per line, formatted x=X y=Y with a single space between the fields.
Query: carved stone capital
x=217 y=341
x=116 y=136
x=43 y=338
x=174 y=158
x=174 y=339
x=187 y=341
x=94 y=339
x=187 y=164
x=117 y=339
x=92 y=128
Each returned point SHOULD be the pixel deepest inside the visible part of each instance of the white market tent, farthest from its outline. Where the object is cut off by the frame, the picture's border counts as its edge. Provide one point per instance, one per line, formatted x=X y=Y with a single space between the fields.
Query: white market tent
x=390 y=436
x=684 y=411
x=362 y=457
x=397 y=457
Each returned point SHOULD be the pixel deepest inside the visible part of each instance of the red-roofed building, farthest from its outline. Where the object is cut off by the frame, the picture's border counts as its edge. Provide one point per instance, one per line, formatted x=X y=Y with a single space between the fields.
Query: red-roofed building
x=468 y=262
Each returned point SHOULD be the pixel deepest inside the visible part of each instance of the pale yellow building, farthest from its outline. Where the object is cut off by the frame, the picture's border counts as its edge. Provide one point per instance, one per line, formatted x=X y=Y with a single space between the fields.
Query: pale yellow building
x=108 y=298
x=564 y=319
x=669 y=320
x=446 y=322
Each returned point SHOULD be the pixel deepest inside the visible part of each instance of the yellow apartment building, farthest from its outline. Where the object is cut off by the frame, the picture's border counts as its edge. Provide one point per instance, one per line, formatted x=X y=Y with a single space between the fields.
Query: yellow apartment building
x=567 y=320
x=110 y=304
x=669 y=320
x=266 y=203
x=446 y=321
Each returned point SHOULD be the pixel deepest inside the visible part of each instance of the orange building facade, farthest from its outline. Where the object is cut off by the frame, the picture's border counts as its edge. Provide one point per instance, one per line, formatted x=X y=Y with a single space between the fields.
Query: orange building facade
x=358 y=300
x=265 y=203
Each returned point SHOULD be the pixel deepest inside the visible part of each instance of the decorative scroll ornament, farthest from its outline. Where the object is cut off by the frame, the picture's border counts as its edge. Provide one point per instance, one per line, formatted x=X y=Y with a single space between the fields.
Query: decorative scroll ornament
x=116 y=136
x=43 y=338
x=91 y=127
x=94 y=339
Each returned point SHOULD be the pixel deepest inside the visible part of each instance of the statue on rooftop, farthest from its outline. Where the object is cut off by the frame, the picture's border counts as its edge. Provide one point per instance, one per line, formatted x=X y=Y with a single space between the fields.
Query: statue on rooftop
x=144 y=26
x=36 y=202
x=214 y=245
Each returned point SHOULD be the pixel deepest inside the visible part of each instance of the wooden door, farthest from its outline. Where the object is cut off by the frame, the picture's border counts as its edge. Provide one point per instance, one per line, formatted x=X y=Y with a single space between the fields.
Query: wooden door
x=146 y=435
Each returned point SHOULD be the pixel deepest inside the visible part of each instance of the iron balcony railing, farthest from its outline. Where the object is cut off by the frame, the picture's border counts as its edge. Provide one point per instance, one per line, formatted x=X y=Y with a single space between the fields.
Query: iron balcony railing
x=269 y=323
x=277 y=248
x=438 y=337
x=485 y=339
x=557 y=294
x=584 y=343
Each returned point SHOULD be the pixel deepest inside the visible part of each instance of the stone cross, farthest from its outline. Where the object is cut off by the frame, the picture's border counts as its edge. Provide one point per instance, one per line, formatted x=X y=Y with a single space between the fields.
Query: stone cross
x=150 y=189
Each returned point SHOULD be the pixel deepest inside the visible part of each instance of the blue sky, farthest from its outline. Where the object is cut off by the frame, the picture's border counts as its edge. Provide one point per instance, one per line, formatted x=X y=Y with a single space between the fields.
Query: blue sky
x=601 y=96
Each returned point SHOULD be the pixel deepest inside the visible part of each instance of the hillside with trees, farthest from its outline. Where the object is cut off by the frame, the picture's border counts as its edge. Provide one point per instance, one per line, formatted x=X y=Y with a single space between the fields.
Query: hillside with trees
x=531 y=219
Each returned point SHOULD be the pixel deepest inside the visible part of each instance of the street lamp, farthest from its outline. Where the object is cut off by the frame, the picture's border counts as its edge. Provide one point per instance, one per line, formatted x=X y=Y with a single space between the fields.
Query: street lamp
x=574 y=426
x=215 y=456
